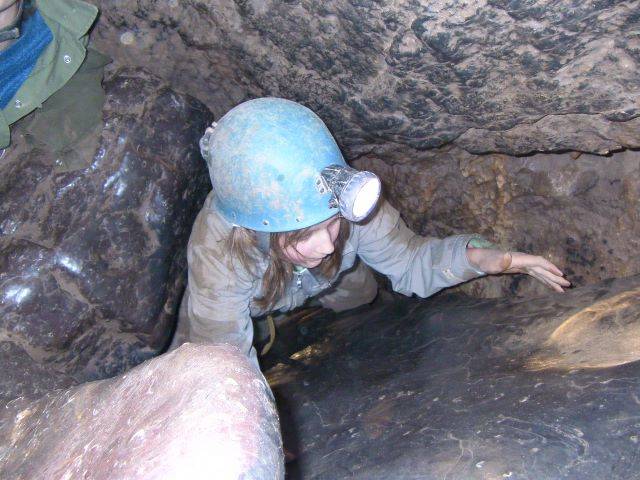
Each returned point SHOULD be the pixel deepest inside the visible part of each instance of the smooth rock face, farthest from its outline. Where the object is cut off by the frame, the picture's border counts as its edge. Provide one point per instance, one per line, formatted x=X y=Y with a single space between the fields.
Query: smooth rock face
x=583 y=214
x=493 y=75
x=199 y=412
x=92 y=261
x=463 y=389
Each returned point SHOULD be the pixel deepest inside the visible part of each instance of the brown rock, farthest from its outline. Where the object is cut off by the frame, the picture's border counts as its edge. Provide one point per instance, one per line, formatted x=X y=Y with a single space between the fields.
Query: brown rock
x=581 y=214
x=453 y=387
x=92 y=261
x=507 y=76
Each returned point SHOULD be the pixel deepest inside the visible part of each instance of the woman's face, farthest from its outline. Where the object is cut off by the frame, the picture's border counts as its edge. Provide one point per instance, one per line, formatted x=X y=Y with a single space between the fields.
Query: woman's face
x=8 y=12
x=5 y=4
x=320 y=242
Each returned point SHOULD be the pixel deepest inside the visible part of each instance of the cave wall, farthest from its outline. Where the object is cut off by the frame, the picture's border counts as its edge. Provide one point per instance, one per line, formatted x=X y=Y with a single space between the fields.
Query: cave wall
x=453 y=99
x=580 y=212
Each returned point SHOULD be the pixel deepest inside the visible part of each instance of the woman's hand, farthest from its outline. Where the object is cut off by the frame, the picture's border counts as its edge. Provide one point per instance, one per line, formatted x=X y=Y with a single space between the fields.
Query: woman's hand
x=496 y=261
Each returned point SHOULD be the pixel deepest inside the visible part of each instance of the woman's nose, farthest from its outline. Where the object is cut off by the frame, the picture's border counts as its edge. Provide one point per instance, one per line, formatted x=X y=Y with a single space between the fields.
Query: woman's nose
x=325 y=244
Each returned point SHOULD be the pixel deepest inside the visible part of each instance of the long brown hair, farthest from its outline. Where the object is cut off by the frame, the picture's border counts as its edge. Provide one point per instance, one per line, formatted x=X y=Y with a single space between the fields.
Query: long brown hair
x=243 y=245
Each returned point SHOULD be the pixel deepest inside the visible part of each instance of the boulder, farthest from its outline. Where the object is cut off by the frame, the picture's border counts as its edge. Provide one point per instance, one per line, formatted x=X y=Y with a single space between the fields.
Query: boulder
x=459 y=388
x=92 y=261
x=199 y=412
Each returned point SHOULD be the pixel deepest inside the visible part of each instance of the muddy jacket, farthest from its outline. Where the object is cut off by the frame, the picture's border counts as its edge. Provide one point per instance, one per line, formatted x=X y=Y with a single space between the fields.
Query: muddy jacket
x=219 y=302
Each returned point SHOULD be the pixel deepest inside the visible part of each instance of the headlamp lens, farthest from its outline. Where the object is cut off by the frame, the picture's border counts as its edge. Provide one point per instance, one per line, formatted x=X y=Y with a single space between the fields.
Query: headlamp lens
x=354 y=192
x=366 y=198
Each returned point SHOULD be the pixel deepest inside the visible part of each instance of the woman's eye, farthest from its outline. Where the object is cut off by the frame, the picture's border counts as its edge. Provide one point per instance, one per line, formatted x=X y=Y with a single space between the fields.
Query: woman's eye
x=306 y=236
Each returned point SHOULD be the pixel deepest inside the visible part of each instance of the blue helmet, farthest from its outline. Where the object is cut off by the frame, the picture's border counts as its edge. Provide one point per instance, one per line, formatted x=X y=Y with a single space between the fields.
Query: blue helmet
x=266 y=158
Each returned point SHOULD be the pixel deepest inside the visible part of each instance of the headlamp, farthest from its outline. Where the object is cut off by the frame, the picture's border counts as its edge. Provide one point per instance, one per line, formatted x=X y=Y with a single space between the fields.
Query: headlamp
x=355 y=192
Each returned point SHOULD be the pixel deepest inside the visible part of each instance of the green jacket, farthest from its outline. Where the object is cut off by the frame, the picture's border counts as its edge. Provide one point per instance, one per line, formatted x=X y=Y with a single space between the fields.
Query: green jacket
x=69 y=21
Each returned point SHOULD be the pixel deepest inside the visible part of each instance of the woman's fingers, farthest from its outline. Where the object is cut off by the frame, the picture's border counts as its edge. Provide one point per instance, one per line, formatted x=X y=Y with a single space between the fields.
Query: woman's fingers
x=551 y=284
x=549 y=277
x=540 y=268
x=551 y=267
x=557 y=287
x=557 y=277
x=547 y=281
x=496 y=261
x=524 y=260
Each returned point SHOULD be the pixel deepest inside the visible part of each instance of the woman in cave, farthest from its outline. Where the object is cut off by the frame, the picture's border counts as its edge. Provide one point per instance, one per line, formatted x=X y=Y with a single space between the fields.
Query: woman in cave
x=287 y=219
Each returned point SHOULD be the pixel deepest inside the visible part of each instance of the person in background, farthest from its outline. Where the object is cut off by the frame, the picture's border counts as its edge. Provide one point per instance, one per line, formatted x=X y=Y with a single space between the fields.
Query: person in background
x=50 y=83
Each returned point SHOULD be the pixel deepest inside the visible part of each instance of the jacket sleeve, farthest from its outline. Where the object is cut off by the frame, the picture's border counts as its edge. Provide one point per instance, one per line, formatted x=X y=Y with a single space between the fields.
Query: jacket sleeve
x=413 y=263
x=218 y=294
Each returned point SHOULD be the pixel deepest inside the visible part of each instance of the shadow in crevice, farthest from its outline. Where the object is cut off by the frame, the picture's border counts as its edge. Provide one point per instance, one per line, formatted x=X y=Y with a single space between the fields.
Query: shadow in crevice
x=290 y=437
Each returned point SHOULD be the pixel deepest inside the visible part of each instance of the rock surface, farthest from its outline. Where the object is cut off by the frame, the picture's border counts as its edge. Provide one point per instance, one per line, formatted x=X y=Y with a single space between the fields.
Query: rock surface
x=92 y=261
x=583 y=214
x=199 y=412
x=458 y=388
x=510 y=76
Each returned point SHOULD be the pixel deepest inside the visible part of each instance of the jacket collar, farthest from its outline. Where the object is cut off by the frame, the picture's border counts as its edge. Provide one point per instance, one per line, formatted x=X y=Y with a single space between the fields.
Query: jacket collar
x=74 y=16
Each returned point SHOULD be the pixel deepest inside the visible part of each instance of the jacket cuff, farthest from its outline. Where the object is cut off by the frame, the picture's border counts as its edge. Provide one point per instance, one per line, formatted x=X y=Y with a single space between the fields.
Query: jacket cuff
x=460 y=267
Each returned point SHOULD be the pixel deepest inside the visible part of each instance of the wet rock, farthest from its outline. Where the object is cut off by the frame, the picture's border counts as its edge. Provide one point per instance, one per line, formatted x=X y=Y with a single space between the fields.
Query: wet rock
x=495 y=75
x=605 y=334
x=453 y=387
x=92 y=261
x=198 y=412
x=581 y=213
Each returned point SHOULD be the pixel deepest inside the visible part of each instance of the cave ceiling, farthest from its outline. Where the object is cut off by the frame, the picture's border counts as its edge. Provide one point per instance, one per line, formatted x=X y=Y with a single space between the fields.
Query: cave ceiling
x=510 y=76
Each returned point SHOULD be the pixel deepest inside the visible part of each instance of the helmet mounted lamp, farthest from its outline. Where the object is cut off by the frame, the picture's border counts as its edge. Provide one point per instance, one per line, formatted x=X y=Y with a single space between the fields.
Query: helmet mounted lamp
x=354 y=192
